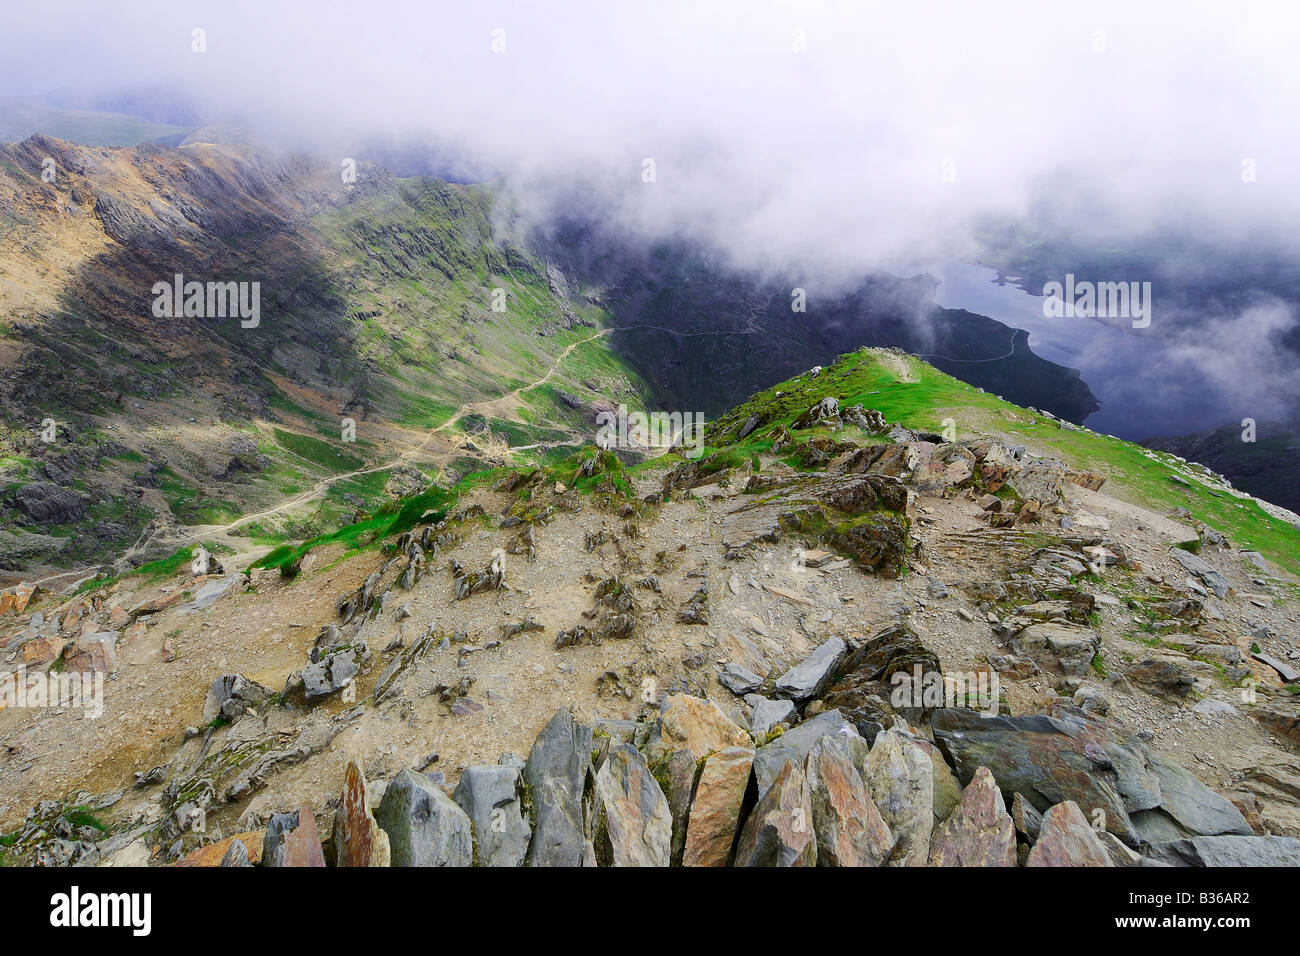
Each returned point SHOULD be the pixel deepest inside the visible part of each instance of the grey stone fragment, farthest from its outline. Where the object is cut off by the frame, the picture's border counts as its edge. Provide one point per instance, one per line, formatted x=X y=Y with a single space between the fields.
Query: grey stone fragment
x=331 y=673
x=231 y=694
x=236 y=855
x=490 y=798
x=768 y=713
x=424 y=826
x=1228 y=851
x=738 y=680
x=1211 y=578
x=814 y=674
x=561 y=780
x=1288 y=673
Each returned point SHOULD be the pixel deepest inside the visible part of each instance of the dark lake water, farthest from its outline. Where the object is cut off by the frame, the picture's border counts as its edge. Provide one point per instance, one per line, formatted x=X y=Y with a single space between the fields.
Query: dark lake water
x=1145 y=387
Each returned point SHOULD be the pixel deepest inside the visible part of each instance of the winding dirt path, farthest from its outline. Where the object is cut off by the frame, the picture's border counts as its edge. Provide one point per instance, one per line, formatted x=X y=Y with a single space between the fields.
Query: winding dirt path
x=195 y=533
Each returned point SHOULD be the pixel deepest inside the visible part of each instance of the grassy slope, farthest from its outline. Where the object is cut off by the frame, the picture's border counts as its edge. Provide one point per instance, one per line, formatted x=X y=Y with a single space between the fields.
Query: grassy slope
x=932 y=396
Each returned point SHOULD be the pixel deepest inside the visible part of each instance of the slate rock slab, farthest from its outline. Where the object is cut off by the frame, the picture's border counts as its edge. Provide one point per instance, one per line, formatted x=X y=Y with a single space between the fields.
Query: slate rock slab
x=561 y=781
x=813 y=675
x=489 y=795
x=424 y=826
x=632 y=824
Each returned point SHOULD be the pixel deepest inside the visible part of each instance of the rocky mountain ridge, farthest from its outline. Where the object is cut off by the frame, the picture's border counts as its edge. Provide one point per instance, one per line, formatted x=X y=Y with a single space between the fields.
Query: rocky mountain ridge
x=768 y=655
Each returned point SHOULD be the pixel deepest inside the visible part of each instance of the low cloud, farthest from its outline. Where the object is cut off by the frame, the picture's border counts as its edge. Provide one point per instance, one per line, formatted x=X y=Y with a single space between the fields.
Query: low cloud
x=829 y=133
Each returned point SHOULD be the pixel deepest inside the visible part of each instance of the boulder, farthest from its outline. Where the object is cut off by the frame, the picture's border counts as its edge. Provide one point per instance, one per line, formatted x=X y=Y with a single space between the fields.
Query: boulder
x=1187 y=807
x=979 y=832
x=876 y=544
x=1052 y=759
x=947 y=788
x=948 y=466
x=1161 y=677
x=42 y=650
x=811 y=676
x=864 y=685
x=561 y=781
x=205 y=563
x=1066 y=839
x=779 y=831
x=632 y=824
x=768 y=713
x=232 y=694
x=1058 y=646
x=715 y=811
x=795 y=744
x=424 y=826
x=695 y=724
x=333 y=672
x=900 y=779
x=1228 y=851
x=824 y=413
x=1067 y=755
x=489 y=795
x=850 y=830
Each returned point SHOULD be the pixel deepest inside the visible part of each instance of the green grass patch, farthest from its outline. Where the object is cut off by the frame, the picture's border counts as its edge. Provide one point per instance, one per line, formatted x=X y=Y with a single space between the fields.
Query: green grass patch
x=393 y=518
x=317 y=451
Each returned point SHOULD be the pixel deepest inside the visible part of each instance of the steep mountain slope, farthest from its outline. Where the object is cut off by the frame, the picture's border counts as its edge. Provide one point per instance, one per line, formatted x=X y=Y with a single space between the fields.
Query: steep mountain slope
x=379 y=303
x=1265 y=467
x=707 y=333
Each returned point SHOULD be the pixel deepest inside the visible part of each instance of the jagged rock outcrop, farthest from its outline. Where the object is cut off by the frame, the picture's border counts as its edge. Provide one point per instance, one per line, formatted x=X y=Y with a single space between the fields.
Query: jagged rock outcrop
x=358 y=839
x=632 y=824
x=900 y=779
x=979 y=832
x=1066 y=839
x=715 y=812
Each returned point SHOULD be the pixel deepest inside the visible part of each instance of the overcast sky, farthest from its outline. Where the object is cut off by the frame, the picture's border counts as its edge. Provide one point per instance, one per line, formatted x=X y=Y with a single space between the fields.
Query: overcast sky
x=784 y=131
